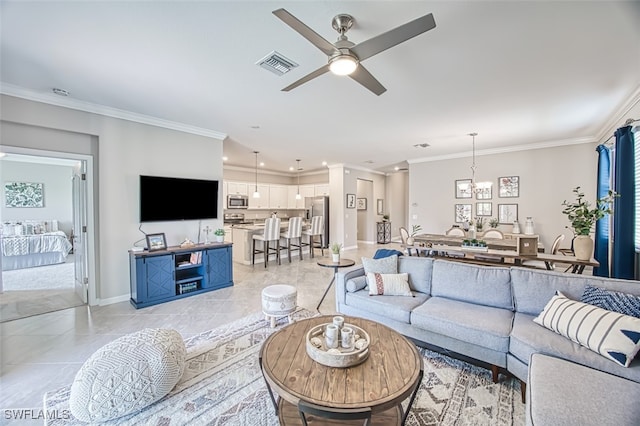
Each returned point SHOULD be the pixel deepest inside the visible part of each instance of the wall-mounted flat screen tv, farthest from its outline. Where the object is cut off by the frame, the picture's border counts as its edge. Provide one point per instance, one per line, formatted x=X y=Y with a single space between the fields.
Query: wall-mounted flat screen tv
x=170 y=198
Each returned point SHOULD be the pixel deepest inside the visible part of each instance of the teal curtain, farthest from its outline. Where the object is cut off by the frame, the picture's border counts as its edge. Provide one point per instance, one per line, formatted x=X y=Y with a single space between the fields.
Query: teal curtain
x=624 y=206
x=601 y=249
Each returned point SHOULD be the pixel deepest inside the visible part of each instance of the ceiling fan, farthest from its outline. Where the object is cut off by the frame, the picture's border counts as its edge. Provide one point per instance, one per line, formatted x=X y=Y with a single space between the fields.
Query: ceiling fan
x=344 y=56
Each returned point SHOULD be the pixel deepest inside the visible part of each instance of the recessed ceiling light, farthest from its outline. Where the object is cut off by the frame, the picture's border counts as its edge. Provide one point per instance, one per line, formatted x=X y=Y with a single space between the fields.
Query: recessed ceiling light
x=291 y=168
x=60 y=92
x=369 y=162
x=261 y=164
x=324 y=163
x=396 y=168
x=421 y=145
x=225 y=158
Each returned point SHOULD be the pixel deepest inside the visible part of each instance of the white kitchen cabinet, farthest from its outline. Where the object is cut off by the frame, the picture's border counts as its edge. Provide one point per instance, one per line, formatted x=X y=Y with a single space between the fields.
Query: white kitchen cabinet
x=263 y=201
x=237 y=188
x=278 y=197
x=321 y=190
x=305 y=191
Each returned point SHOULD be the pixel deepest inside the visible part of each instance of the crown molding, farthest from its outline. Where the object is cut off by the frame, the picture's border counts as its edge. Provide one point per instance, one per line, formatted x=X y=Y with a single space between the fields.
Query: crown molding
x=52 y=99
x=354 y=167
x=504 y=150
x=272 y=172
x=618 y=118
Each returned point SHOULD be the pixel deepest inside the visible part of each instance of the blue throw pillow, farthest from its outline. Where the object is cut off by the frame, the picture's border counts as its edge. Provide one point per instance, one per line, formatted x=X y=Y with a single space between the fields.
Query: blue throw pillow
x=380 y=253
x=623 y=303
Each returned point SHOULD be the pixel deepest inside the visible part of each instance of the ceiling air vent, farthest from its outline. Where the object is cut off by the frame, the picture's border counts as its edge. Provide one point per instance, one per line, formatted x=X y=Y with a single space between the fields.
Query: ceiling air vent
x=276 y=63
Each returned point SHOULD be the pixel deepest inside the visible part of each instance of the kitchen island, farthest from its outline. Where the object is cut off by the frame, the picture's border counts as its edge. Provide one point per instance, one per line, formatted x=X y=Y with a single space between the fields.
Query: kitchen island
x=243 y=241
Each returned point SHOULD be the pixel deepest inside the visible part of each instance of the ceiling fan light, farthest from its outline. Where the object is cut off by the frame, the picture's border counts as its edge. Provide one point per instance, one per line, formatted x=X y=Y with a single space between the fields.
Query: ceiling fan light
x=343 y=65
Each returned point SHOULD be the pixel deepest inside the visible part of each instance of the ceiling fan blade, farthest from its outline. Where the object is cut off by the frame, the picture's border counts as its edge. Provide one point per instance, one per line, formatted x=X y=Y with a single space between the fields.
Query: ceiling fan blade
x=306 y=32
x=393 y=37
x=364 y=77
x=307 y=77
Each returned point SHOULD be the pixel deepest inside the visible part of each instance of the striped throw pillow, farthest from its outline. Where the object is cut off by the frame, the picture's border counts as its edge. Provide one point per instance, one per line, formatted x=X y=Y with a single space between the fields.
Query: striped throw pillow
x=613 y=335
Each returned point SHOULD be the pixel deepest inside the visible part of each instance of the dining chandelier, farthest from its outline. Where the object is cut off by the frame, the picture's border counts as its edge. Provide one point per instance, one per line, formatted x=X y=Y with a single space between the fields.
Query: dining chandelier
x=475 y=186
x=256 y=194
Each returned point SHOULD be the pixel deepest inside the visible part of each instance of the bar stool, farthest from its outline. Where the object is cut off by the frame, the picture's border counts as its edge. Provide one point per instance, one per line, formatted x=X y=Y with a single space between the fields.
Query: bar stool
x=316 y=230
x=271 y=234
x=293 y=232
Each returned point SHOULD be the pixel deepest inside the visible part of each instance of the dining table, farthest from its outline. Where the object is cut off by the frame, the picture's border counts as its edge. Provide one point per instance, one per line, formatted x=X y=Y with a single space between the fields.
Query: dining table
x=509 y=257
x=450 y=240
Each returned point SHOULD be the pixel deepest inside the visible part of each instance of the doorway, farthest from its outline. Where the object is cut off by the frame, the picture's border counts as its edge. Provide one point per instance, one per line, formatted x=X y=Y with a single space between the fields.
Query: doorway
x=45 y=266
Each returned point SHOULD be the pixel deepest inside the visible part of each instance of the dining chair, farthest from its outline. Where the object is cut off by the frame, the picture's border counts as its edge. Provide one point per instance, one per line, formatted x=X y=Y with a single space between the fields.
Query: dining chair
x=555 y=247
x=316 y=230
x=493 y=233
x=294 y=232
x=455 y=232
x=346 y=414
x=404 y=235
x=270 y=235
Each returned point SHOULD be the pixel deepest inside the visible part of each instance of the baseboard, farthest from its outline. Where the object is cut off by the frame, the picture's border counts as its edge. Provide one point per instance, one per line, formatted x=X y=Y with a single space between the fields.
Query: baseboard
x=112 y=300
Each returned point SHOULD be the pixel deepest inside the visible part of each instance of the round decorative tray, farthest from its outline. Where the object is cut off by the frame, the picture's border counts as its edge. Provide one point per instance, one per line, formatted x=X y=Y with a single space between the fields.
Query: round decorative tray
x=339 y=357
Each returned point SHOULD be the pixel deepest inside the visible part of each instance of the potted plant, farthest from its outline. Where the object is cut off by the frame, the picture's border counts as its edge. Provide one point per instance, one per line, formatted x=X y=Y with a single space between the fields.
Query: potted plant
x=583 y=217
x=414 y=230
x=479 y=223
x=219 y=233
x=385 y=217
x=494 y=222
x=335 y=252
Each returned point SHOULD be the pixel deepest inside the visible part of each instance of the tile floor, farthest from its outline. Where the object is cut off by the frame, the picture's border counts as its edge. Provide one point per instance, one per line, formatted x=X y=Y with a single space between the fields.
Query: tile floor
x=44 y=352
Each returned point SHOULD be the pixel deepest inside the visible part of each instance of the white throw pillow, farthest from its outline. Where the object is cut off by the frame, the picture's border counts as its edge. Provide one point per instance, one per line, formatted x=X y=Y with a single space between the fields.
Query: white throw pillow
x=127 y=375
x=389 y=284
x=613 y=335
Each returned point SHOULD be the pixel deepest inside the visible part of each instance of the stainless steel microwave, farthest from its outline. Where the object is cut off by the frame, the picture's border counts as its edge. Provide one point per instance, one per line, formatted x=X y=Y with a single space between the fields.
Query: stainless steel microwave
x=237 y=201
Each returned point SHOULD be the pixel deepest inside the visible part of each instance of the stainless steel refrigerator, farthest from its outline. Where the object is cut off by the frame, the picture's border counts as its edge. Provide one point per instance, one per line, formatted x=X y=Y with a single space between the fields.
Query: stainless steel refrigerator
x=319 y=206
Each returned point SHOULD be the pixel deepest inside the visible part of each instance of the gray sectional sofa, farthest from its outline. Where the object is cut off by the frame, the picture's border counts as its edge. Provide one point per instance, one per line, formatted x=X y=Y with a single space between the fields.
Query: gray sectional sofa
x=482 y=312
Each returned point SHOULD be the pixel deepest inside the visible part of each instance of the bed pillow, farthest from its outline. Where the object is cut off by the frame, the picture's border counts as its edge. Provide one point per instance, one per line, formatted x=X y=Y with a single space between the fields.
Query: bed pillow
x=389 y=284
x=610 y=300
x=611 y=334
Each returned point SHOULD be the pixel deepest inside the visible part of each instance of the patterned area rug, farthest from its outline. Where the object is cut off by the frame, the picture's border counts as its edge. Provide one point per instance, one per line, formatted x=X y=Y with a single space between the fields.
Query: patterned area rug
x=223 y=385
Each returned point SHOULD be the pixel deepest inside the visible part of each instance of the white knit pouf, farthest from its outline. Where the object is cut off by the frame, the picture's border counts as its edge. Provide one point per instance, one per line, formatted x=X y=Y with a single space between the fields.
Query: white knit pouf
x=128 y=374
x=279 y=301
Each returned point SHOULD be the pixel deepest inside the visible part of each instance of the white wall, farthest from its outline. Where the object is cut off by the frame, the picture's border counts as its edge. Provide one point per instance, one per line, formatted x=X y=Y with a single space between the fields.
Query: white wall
x=396 y=203
x=547 y=177
x=57 y=190
x=126 y=150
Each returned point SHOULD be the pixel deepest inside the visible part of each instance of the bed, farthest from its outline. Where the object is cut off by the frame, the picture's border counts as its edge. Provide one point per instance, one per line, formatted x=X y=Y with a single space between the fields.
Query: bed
x=27 y=244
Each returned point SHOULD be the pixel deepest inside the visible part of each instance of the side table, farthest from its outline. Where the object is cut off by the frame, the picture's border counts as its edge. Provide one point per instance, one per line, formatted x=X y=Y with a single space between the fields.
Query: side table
x=328 y=263
x=383 y=231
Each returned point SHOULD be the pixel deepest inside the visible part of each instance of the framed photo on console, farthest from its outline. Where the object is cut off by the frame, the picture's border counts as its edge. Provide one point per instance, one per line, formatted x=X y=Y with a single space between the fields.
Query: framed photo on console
x=156 y=242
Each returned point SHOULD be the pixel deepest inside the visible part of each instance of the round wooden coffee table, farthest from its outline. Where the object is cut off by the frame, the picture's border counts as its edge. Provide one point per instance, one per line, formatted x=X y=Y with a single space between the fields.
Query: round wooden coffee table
x=390 y=375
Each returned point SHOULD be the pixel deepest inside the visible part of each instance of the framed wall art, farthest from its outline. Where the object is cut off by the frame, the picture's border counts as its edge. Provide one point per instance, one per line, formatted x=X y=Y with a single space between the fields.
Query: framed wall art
x=362 y=203
x=509 y=186
x=24 y=194
x=462 y=213
x=379 y=206
x=463 y=188
x=484 y=191
x=483 y=209
x=507 y=213
x=156 y=242
x=351 y=201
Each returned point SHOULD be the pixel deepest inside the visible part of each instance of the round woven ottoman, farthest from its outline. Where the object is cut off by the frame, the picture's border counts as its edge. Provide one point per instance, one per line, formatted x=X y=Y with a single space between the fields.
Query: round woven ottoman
x=279 y=301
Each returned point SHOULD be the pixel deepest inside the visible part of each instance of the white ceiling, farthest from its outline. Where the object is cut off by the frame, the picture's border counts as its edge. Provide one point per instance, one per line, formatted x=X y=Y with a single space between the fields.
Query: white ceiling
x=517 y=73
